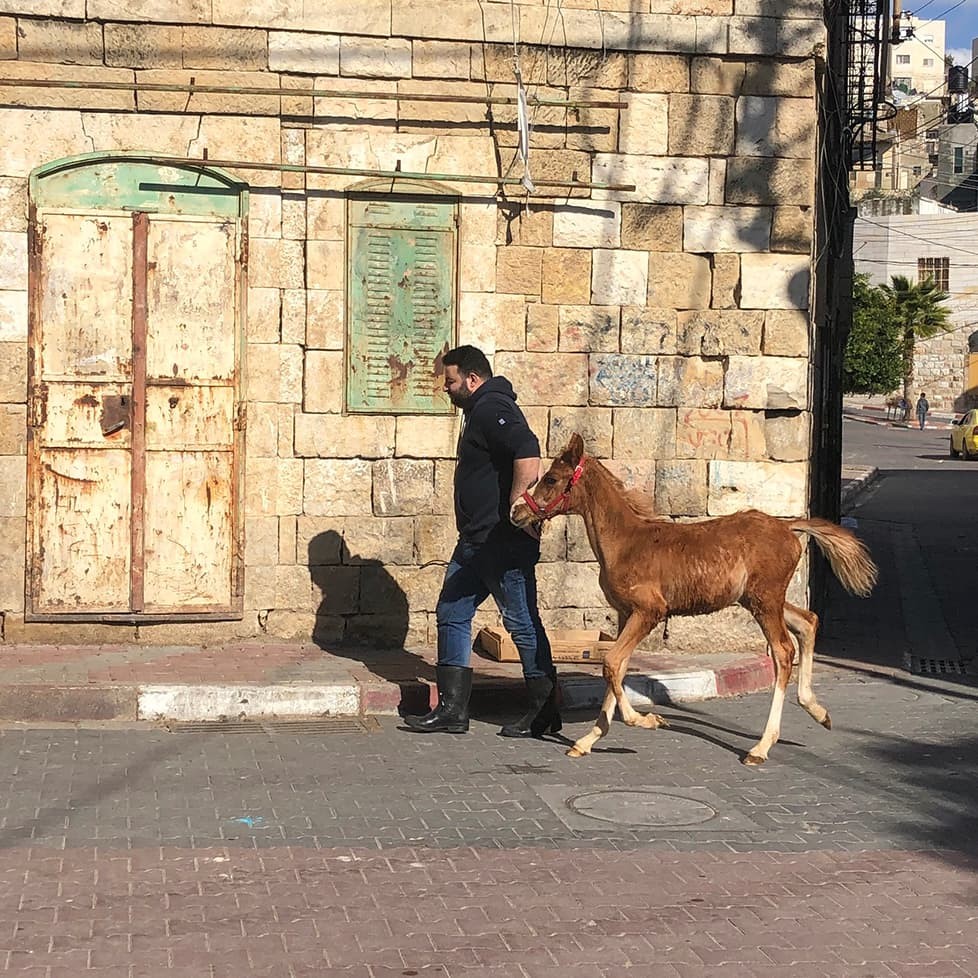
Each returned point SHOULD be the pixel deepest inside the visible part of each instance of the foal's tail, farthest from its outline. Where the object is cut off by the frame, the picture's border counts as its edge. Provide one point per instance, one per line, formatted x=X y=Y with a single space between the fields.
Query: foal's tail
x=846 y=553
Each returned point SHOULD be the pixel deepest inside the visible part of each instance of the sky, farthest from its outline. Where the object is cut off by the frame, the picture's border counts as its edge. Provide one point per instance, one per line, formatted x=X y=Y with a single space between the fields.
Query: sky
x=961 y=20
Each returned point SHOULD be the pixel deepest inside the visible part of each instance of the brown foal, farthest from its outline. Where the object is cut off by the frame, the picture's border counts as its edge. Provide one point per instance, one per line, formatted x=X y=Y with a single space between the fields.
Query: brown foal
x=652 y=567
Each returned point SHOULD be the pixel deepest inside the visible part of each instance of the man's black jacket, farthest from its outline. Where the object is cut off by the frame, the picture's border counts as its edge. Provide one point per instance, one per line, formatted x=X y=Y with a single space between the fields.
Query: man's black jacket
x=494 y=433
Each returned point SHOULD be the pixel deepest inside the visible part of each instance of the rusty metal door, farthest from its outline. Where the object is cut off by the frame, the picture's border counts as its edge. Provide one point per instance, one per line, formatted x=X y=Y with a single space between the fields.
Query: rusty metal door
x=133 y=417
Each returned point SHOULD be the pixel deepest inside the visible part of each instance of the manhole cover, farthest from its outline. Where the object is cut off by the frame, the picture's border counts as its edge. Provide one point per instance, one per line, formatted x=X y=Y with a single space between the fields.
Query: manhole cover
x=326 y=725
x=652 y=808
x=921 y=666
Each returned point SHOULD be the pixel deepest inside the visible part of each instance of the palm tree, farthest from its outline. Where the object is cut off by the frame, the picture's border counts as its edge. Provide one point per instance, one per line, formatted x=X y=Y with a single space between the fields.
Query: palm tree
x=918 y=312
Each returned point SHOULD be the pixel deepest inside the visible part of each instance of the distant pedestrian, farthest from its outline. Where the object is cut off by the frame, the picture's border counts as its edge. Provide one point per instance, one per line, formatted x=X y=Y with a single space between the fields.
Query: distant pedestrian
x=923 y=407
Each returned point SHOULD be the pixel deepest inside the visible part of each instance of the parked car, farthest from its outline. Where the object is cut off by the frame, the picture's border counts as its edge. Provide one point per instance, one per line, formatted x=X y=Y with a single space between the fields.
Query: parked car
x=964 y=436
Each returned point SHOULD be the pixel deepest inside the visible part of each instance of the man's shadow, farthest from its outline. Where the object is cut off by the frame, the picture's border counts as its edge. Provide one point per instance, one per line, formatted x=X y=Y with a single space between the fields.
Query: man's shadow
x=363 y=614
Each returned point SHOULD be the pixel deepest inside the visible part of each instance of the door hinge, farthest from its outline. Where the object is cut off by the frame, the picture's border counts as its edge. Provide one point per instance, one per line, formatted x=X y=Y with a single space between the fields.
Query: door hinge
x=241 y=417
x=37 y=407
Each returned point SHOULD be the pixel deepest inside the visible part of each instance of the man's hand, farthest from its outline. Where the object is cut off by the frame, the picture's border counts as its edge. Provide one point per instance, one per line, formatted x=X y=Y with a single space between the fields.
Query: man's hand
x=526 y=472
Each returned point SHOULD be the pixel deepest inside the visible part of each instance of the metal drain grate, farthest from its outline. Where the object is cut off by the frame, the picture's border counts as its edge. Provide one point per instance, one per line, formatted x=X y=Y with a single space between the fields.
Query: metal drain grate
x=921 y=666
x=321 y=726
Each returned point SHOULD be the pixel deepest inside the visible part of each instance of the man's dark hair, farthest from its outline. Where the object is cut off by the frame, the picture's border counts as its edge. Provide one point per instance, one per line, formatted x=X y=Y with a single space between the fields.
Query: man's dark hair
x=469 y=360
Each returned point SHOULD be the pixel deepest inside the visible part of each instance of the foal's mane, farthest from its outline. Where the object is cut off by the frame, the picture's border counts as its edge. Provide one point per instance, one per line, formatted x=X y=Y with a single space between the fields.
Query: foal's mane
x=636 y=501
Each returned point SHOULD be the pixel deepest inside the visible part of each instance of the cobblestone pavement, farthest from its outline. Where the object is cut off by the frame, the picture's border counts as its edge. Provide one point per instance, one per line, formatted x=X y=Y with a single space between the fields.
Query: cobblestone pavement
x=127 y=852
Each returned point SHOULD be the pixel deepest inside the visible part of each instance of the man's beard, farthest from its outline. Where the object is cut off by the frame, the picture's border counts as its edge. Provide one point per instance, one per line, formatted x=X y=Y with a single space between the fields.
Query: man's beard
x=461 y=398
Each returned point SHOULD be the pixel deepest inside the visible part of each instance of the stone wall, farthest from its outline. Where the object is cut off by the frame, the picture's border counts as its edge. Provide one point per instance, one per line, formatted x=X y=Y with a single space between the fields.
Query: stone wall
x=670 y=324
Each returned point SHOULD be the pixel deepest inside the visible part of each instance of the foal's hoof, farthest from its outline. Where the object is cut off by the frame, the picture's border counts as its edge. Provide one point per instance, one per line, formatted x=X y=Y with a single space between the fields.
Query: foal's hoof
x=576 y=751
x=650 y=721
x=827 y=722
x=754 y=760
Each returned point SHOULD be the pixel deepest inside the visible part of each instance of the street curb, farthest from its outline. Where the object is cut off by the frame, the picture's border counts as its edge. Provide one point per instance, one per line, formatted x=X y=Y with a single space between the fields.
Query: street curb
x=180 y=702
x=853 y=488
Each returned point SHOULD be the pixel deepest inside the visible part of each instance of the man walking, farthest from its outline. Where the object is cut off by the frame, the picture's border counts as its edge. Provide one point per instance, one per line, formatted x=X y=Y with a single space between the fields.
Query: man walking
x=923 y=407
x=498 y=460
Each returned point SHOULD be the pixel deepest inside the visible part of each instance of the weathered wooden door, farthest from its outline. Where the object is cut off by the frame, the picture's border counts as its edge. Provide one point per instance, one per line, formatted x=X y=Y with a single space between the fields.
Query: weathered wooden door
x=134 y=509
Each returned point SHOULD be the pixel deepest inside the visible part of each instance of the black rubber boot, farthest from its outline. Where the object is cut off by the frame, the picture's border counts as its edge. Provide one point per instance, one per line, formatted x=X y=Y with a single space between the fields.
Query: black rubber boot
x=542 y=713
x=451 y=715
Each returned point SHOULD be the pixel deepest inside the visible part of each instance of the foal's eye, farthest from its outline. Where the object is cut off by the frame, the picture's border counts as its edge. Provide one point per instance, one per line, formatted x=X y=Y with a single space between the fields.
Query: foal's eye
x=549 y=480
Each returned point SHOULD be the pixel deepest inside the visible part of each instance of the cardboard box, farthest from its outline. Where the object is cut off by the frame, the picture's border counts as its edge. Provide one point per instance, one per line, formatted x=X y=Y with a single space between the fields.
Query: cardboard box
x=566 y=644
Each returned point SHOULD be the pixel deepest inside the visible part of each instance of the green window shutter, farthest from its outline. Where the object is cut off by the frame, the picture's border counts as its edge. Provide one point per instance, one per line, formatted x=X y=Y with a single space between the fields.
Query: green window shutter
x=401 y=304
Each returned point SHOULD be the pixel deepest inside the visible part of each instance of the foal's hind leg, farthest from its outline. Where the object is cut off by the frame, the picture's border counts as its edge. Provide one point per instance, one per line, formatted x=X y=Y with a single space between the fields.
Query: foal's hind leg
x=804 y=623
x=771 y=620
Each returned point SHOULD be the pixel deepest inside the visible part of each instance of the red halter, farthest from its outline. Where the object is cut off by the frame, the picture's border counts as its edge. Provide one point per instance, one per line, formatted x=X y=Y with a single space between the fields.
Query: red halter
x=558 y=506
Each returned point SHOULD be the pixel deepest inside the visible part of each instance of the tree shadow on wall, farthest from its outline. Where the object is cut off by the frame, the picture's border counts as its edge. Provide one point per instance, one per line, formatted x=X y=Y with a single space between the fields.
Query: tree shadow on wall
x=363 y=615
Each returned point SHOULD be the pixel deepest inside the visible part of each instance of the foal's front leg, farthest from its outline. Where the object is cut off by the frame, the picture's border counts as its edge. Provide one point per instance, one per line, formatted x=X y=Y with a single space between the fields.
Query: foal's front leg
x=615 y=663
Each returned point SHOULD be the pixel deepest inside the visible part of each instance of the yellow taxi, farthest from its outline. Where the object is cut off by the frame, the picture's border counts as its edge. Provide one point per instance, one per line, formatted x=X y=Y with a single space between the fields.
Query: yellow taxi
x=964 y=435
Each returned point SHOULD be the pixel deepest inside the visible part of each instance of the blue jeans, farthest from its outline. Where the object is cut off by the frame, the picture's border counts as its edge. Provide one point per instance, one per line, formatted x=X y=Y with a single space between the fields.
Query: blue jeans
x=474 y=573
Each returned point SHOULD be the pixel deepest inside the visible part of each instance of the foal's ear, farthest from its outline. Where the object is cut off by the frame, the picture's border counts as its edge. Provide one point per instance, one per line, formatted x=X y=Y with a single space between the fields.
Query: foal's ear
x=575 y=449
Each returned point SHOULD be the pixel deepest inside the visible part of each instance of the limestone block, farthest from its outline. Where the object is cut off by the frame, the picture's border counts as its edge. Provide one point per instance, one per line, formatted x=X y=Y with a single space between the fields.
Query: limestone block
x=273 y=486
x=13 y=429
x=530 y=226
x=701 y=125
x=287 y=539
x=494 y=63
x=13 y=372
x=426 y=437
x=335 y=590
x=13 y=204
x=264 y=315
x=325 y=320
x=635 y=473
x=565 y=165
x=59 y=41
x=261 y=541
x=717 y=76
x=143 y=45
x=681 y=487
x=691 y=327
x=775 y=281
x=13 y=316
x=538 y=420
x=13 y=260
x=720 y=434
x=307 y=54
x=546 y=378
x=324 y=541
x=644 y=432
x=648 y=330
x=445 y=485
x=541 y=327
x=13 y=485
x=587 y=225
x=724 y=332
x=679 y=281
x=578 y=544
x=294 y=316
x=174 y=11
x=250 y=139
x=403 y=486
x=689 y=382
x=792 y=38
x=644 y=125
x=54 y=134
x=718 y=181
x=467 y=154
x=362 y=57
x=775 y=126
x=553 y=539
x=277 y=263
x=290 y=374
x=370 y=17
x=589 y=328
x=286 y=429
x=439 y=59
x=622 y=379
x=412 y=588
x=790 y=78
x=326 y=217
x=619 y=277
x=336 y=486
x=265 y=214
x=259 y=590
x=477 y=267
x=566 y=275
x=777 y=488
x=288 y=486
x=207 y=103
x=352 y=436
x=225 y=48
x=492 y=321
x=752 y=180
x=519 y=270
x=325 y=266
x=787 y=437
x=766 y=383
x=738 y=629
x=568 y=585
x=433 y=117
x=340 y=111
x=261 y=435
x=792 y=230
x=592 y=424
x=748 y=435
x=657 y=180
x=13 y=561
x=434 y=539
x=735 y=229
x=593 y=69
x=323 y=382
x=786 y=333
x=726 y=281
x=652 y=227
x=8 y=38
x=293 y=216
x=658 y=73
